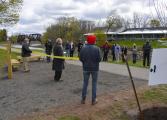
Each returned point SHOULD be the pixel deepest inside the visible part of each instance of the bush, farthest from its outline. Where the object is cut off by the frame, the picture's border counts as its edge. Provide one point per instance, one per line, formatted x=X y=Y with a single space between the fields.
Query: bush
x=3 y=35
x=164 y=39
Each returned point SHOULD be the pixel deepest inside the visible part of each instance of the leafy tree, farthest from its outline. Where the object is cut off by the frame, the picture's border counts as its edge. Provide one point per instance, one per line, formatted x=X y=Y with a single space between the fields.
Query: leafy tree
x=13 y=38
x=101 y=38
x=3 y=35
x=9 y=11
x=68 y=28
x=45 y=38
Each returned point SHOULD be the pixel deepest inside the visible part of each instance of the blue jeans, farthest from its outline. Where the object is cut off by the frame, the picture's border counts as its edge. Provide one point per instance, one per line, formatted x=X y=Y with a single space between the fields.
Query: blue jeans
x=86 y=75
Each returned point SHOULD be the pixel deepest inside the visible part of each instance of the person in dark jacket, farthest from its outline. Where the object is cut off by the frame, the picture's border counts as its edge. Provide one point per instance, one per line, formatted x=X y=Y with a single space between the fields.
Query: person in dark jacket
x=146 y=53
x=67 y=49
x=113 y=52
x=26 y=53
x=134 y=53
x=72 y=49
x=80 y=45
x=48 y=49
x=58 y=64
x=90 y=58
x=124 y=50
x=106 y=48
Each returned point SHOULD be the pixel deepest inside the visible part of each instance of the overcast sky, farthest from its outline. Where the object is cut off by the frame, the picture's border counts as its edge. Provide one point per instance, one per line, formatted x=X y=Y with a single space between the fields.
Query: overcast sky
x=36 y=15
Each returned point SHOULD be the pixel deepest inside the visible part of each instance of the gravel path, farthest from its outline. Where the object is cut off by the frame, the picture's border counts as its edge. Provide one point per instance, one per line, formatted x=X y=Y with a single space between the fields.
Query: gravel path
x=36 y=91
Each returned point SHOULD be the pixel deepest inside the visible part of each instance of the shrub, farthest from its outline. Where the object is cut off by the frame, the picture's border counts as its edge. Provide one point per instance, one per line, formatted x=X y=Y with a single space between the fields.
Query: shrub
x=163 y=39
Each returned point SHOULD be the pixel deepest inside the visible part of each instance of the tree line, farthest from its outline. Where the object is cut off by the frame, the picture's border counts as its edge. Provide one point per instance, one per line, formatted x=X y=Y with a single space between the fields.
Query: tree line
x=72 y=29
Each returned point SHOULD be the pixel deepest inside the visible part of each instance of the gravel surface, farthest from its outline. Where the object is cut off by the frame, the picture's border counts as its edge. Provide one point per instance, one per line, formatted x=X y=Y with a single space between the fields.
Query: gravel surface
x=36 y=91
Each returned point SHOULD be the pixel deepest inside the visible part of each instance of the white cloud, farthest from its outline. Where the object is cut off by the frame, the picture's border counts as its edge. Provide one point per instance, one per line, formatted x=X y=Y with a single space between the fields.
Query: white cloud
x=36 y=15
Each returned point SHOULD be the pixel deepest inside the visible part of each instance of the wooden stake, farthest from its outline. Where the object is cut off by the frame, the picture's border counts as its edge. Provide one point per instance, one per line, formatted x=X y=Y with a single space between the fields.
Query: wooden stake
x=134 y=88
x=10 y=74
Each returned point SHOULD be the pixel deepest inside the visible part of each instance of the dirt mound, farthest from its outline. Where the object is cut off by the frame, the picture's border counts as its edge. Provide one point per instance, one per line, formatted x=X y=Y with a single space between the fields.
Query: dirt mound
x=155 y=113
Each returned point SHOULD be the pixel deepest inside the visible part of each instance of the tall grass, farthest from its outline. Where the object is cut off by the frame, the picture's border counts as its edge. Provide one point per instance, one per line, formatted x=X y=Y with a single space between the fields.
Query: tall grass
x=3 y=57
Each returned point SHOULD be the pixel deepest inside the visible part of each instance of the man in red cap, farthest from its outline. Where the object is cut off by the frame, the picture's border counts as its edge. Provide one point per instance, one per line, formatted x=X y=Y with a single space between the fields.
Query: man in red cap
x=90 y=58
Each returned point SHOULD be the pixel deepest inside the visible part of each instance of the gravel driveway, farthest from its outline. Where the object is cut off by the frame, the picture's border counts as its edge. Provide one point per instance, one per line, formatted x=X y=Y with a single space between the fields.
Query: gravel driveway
x=36 y=91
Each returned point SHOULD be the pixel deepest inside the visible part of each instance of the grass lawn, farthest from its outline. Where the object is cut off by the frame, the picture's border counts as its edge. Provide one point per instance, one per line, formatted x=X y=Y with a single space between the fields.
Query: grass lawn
x=158 y=94
x=139 y=63
x=3 y=57
x=2 y=42
x=69 y=118
x=139 y=43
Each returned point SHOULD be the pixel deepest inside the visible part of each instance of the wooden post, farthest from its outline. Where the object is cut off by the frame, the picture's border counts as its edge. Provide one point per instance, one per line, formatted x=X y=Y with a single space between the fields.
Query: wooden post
x=10 y=74
x=134 y=89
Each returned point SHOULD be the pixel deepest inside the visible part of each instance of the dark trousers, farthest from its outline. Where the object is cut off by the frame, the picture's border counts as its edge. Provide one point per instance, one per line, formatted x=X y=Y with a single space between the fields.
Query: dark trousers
x=146 y=57
x=123 y=59
x=134 y=58
x=78 y=53
x=113 y=56
x=57 y=75
x=105 y=57
x=48 y=59
x=71 y=53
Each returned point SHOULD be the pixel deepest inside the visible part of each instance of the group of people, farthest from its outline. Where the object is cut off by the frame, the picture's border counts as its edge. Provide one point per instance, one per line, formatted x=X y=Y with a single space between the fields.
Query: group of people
x=118 y=52
x=147 y=50
x=89 y=55
x=69 y=49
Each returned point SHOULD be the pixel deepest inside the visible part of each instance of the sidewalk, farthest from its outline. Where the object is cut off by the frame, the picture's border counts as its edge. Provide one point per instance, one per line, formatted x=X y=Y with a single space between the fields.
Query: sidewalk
x=140 y=73
x=18 y=48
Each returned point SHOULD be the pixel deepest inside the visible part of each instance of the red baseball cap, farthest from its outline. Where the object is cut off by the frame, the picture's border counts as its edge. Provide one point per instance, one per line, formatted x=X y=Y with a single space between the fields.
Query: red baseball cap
x=91 y=39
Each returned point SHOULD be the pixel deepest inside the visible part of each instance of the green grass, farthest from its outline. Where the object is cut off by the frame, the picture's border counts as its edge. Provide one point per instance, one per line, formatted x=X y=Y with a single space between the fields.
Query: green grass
x=156 y=94
x=3 y=57
x=69 y=118
x=139 y=63
x=139 y=43
x=2 y=42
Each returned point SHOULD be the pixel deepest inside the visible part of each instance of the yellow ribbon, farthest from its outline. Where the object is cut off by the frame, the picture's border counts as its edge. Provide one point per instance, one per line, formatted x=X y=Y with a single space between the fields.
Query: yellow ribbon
x=59 y=57
x=52 y=56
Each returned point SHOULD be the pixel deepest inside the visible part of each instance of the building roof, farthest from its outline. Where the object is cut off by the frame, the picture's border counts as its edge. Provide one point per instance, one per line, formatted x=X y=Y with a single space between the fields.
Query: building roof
x=157 y=30
x=145 y=32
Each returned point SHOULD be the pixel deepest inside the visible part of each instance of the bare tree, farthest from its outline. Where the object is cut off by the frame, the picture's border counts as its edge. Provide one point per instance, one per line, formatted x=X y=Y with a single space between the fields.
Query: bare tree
x=86 y=25
x=140 y=20
x=126 y=23
x=113 y=21
x=160 y=7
